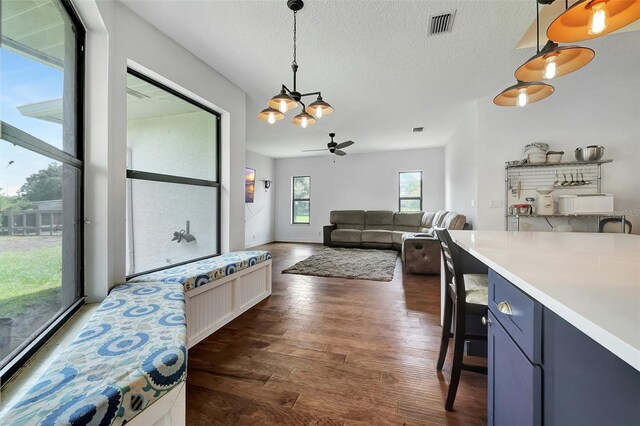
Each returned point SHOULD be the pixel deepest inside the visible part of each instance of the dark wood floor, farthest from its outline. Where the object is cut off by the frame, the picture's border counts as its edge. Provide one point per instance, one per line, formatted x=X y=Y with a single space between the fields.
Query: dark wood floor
x=331 y=351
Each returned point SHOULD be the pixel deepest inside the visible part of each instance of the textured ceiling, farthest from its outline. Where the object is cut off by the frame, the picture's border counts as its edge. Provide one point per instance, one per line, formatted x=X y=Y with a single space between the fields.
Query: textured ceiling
x=372 y=60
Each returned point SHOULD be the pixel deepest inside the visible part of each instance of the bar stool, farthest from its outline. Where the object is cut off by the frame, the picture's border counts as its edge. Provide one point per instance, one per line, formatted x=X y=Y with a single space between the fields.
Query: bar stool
x=468 y=293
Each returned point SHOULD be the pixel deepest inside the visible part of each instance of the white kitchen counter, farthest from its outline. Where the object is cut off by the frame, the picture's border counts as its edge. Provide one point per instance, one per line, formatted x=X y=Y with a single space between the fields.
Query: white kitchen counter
x=590 y=280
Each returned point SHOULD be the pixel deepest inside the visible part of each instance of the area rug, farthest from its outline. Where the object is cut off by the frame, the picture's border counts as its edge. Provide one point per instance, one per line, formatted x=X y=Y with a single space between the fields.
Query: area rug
x=355 y=264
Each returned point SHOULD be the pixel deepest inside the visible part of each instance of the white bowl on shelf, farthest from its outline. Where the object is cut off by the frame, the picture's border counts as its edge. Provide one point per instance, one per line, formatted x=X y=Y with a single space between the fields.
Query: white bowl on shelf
x=537 y=158
x=554 y=156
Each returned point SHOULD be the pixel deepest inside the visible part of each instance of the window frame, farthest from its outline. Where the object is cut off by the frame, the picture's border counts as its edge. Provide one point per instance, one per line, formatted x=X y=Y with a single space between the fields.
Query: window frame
x=400 y=198
x=183 y=180
x=294 y=199
x=31 y=143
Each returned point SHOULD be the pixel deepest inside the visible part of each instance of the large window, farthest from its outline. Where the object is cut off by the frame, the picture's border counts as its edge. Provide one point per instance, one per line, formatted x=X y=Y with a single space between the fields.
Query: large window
x=173 y=171
x=410 y=190
x=301 y=200
x=41 y=174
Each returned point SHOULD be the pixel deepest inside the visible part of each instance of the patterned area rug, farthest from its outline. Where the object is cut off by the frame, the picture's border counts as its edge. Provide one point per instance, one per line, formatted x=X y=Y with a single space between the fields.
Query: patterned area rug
x=355 y=264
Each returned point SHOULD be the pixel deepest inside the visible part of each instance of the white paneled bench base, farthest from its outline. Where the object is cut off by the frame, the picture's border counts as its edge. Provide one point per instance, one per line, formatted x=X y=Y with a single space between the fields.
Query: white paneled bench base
x=218 y=289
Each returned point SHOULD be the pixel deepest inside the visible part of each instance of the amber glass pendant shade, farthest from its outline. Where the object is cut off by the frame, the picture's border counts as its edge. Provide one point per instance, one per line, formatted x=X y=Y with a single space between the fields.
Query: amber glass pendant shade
x=554 y=61
x=319 y=108
x=523 y=93
x=270 y=115
x=589 y=19
x=303 y=119
x=282 y=102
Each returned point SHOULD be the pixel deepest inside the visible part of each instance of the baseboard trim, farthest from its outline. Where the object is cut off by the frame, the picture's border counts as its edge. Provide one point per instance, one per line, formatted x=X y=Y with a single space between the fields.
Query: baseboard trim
x=259 y=242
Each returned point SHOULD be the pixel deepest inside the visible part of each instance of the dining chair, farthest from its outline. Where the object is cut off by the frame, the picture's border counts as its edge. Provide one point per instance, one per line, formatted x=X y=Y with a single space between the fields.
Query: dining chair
x=466 y=299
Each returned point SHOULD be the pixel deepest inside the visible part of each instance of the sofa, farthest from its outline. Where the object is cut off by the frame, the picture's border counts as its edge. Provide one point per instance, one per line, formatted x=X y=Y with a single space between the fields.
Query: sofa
x=411 y=233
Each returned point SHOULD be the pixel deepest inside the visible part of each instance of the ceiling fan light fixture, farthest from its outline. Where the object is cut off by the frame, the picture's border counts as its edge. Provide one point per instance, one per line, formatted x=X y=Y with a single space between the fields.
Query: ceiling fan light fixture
x=554 y=61
x=282 y=102
x=270 y=115
x=589 y=19
x=319 y=108
x=523 y=93
x=303 y=120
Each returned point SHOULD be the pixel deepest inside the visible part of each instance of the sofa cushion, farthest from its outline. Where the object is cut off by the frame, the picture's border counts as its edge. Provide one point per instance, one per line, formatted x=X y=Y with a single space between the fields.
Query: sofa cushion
x=453 y=221
x=427 y=220
x=376 y=236
x=378 y=219
x=439 y=218
x=346 y=236
x=396 y=237
x=407 y=221
x=347 y=219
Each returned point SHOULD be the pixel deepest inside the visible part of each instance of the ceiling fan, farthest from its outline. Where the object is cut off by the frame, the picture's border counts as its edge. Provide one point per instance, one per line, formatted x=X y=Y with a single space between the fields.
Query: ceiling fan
x=333 y=147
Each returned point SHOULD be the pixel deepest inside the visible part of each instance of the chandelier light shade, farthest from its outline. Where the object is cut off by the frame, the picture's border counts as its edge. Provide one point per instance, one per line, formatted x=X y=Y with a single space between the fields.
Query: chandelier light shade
x=319 y=108
x=270 y=115
x=288 y=99
x=304 y=119
x=283 y=102
x=523 y=93
x=554 y=61
x=589 y=19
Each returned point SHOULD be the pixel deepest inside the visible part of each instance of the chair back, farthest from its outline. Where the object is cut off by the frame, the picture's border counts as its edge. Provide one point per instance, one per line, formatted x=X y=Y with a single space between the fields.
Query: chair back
x=453 y=269
x=617 y=221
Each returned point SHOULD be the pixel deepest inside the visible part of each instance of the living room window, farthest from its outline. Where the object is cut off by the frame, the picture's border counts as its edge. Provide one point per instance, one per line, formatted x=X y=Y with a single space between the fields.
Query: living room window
x=173 y=177
x=410 y=191
x=41 y=175
x=301 y=200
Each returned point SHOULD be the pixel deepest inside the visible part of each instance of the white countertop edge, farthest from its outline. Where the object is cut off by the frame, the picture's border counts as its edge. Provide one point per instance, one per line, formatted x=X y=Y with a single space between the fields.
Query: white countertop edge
x=614 y=344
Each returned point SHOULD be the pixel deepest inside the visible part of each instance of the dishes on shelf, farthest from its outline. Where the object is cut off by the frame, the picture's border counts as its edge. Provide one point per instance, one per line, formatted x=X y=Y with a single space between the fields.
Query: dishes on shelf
x=554 y=156
x=590 y=153
x=537 y=158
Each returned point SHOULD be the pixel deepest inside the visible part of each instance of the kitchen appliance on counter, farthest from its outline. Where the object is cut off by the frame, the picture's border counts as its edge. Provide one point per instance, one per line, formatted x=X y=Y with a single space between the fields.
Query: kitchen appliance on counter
x=544 y=204
x=585 y=203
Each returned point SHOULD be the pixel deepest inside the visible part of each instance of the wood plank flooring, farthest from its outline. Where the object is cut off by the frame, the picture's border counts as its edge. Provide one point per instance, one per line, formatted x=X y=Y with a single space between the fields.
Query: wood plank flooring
x=327 y=351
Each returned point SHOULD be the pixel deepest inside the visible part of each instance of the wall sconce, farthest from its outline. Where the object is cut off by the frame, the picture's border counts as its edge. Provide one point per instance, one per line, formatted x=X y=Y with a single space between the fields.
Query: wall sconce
x=183 y=235
x=267 y=184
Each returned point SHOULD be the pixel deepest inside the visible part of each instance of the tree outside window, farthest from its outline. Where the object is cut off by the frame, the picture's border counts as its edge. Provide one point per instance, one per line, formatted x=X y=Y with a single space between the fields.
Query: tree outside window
x=410 y=191
x=301 y=200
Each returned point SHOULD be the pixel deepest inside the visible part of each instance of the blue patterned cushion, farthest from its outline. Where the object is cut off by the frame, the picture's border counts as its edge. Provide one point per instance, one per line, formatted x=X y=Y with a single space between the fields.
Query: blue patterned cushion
x=130 y=353
x=195 y=274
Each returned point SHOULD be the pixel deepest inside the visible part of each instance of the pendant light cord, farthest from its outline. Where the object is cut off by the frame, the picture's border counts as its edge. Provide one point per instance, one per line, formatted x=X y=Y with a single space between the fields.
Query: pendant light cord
x=537 y=27
x=295 y=13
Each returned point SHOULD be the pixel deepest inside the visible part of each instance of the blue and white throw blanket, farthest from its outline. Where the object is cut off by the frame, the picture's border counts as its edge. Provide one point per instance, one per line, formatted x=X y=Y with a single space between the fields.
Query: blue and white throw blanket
x=195 y=274
x=131 y=352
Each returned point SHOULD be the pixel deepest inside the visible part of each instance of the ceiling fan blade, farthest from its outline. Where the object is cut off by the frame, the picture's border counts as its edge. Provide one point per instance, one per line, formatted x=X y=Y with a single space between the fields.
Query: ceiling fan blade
x=311 y=150
x=344 y=144
x=338 y=152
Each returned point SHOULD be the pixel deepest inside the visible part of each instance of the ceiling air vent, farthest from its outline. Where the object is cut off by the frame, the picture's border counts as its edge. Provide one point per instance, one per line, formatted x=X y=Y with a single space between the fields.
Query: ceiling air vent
x=417 y=129
x=441 y=23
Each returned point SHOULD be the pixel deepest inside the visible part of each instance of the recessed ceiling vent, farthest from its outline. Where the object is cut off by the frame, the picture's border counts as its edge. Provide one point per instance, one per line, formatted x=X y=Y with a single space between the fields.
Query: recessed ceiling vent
x=441 y=23
x=417 y=129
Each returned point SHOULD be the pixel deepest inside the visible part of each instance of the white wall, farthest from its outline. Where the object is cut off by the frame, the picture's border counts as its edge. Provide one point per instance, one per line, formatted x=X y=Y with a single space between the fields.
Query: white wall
x=259 y=216
x=116 y=38
x=461 y=171
x=607 y=114
x=356 y=181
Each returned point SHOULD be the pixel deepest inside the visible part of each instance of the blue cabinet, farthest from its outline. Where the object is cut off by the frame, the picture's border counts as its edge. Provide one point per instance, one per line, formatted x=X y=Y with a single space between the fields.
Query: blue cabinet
x=543 y=370
x=514 y=382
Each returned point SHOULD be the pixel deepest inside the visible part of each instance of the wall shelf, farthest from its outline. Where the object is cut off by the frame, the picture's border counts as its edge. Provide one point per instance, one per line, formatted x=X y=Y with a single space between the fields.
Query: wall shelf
x=508 y=164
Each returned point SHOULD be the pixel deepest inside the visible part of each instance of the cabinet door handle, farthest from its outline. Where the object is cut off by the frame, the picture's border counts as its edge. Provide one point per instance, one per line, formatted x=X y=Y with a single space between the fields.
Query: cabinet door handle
x=505 y=308
x=486 y=321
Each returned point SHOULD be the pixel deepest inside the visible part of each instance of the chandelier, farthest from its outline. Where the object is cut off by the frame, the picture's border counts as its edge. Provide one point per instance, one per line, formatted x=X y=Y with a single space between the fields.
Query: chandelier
x=289 y=99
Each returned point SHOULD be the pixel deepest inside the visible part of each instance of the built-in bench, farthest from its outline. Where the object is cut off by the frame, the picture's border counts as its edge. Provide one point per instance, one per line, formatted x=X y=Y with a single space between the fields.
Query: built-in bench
x=218 y=289
x=129 y=362
x=132 y=352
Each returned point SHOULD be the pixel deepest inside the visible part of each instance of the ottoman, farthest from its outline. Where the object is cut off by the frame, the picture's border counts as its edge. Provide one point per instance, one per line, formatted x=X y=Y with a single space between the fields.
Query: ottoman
x=420 y=254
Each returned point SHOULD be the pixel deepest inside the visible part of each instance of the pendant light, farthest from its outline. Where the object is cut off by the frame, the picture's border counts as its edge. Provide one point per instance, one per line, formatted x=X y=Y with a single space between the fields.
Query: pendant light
x=523 y=93
x=553 y=60
x=589 y=19
x=287 y=99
